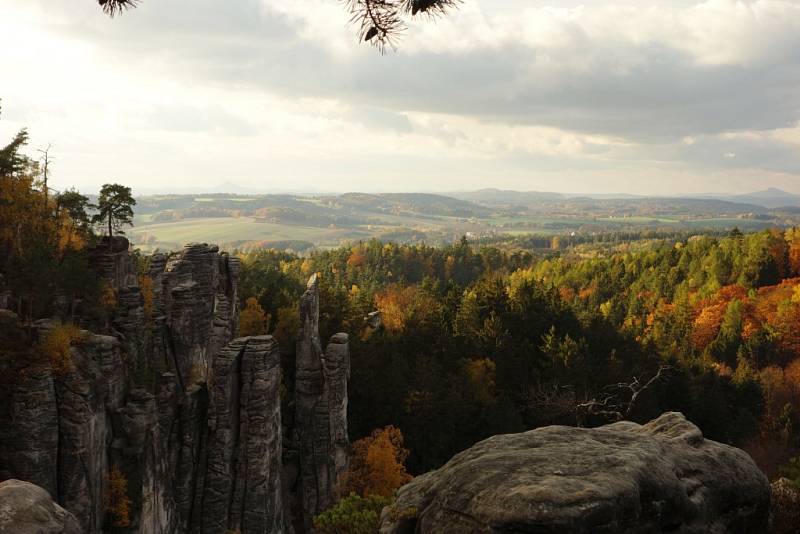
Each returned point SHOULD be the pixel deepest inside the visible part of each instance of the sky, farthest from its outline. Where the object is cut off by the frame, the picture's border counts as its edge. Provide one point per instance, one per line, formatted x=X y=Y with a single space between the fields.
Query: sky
x=647 y=97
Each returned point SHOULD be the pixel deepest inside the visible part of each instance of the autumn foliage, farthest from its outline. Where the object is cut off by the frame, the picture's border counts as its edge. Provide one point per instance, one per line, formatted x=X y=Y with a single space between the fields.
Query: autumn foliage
x=57 y=346
x=399 y=305
x=377 y=464
x=253 y=321
x=118 y=504
x=146 y=288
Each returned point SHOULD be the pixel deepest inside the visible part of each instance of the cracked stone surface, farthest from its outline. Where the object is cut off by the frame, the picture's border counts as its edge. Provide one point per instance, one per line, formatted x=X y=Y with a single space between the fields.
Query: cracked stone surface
x=663 y=476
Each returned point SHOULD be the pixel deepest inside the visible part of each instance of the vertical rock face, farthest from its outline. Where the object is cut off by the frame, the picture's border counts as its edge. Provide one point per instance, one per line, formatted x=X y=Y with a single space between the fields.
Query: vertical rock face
x=84 y=427
x=28 y=412
x=242 y=486
x=320 y=432
x=191 y=419
x=29 y=428
x=337 y=373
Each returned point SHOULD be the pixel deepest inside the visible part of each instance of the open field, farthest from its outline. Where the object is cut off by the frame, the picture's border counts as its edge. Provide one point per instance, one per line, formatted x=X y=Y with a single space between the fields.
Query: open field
x=302 y=223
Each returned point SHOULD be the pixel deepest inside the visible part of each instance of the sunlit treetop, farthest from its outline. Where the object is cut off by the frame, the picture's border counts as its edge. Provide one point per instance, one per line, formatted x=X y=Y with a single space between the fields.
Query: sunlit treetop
x=380 y=22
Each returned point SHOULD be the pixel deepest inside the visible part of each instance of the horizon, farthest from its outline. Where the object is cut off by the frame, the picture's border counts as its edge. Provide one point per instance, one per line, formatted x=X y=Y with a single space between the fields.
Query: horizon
x=238 y=190
x=575 y=97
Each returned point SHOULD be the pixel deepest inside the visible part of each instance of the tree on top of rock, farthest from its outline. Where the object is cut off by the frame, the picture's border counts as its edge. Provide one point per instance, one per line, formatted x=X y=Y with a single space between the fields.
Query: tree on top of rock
x=115 y=208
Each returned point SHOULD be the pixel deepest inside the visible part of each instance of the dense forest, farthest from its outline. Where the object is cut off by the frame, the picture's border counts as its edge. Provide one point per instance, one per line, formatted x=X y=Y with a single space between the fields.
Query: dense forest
x=452 y=344
x=477 y=341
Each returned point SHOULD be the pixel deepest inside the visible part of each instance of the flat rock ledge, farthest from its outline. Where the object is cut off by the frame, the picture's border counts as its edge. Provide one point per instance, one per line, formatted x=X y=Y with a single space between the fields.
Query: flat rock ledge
x=663 y=476
x=26 y=508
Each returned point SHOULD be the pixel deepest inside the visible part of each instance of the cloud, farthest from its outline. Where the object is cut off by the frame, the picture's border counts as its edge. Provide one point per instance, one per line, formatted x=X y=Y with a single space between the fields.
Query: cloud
x=525 y=87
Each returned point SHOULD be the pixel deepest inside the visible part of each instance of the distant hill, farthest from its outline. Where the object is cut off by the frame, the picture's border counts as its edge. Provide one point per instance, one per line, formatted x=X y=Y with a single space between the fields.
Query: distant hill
x=770 y=198
x=419 y=203
x=506 y=196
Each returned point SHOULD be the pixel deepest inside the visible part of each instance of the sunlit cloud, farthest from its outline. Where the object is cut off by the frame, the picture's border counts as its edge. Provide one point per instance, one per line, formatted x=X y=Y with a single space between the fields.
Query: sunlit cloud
x=645 y=97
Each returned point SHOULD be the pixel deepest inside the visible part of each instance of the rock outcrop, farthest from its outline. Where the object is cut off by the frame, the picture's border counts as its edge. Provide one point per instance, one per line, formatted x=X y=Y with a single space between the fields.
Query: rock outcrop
x=620 y=478
x=189 y=417
x=241 y=489
x=26 y=508
x=320 y=419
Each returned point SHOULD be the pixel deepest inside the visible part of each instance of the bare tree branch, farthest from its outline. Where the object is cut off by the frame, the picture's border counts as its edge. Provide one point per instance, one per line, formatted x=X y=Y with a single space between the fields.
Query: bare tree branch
x=613 y=405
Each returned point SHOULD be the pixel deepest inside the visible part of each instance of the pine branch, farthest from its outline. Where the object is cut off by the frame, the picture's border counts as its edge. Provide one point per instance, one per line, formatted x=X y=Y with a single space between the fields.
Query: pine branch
x=113 y=7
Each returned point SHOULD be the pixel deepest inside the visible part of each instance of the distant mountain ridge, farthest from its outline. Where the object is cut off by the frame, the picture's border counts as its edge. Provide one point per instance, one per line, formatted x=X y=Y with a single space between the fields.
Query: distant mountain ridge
x=768 y=198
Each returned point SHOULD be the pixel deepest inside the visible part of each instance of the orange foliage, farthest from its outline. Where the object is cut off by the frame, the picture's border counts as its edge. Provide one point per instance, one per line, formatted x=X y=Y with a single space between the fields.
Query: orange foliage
x=357 y=258
x=399 y=304
x=710 y=312
x=566 y=293
x=118 y=504
x=109 y=298
x=377 y=464
x=794 y=253
x=146 y=288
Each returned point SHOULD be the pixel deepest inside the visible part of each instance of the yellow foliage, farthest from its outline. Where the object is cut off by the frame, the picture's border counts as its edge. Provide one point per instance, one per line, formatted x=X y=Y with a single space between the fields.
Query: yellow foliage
x=146 y=288
x=109 y=298
x=57 y=347
x=118 y=504
x=377 y=465
x=399 y=304
x=252 y=319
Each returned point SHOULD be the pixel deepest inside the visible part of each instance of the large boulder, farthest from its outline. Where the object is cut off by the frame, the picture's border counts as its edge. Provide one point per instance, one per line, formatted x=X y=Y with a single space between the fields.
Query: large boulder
x=621 y=478
x=26 y=508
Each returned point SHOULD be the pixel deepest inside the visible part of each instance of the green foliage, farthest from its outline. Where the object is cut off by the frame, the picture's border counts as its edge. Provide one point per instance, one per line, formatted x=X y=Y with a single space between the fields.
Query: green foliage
x=477 y=341
x=12 y=162
x=353 y=515
x=114 y=208
x=792 y=471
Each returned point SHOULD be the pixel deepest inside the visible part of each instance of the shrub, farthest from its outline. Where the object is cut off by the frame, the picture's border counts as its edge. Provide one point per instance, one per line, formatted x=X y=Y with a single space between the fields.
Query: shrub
x=146 y=287
x=785 y=507
x=353 y=515
x=377 y=466
x=118 y=504
x=57 y=345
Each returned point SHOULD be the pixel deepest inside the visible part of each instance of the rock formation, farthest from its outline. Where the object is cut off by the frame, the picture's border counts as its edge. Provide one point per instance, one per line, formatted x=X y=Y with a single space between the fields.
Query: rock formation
x=320 y=431
x=241 y=489
x=624 y=477
x=28 y=509
x=190 y=417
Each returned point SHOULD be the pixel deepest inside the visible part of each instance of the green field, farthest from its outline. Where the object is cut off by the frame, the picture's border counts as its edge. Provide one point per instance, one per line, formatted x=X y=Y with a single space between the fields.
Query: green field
x=302 y=222
x=229 y=230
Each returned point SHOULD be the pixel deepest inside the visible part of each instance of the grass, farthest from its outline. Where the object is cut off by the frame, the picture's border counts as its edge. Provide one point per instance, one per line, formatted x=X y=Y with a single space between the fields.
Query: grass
x=173 y=235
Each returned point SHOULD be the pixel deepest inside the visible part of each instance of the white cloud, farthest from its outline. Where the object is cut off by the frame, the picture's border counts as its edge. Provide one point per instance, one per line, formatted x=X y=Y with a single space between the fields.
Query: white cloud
x=599 y=94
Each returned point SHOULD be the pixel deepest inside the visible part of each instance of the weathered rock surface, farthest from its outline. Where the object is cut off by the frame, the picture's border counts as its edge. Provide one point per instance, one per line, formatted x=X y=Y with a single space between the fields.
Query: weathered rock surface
x=620 y=478
x=242 y=486
x=28 y=509
x=191 y=419
x=320 y=419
